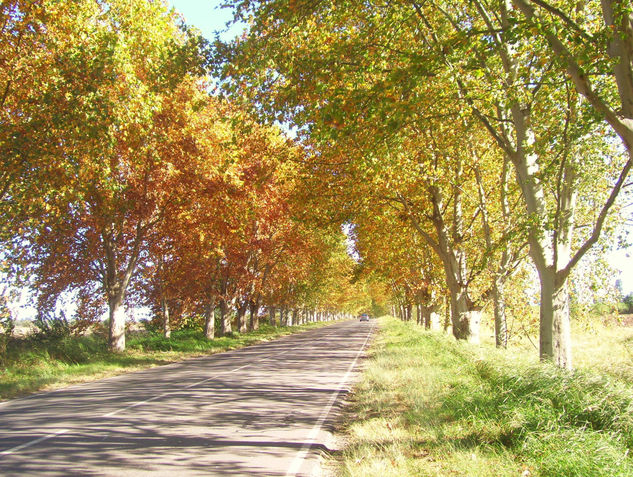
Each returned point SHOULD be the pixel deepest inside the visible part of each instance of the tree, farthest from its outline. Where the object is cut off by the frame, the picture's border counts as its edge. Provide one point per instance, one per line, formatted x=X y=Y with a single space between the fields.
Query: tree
x=336 y=66
x=90 y=225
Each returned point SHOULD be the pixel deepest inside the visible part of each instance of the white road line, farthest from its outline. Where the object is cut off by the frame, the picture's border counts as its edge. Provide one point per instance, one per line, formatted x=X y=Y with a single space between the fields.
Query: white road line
x=139 y=403
x=33 y=442
x=314 y=432
x=215 y=376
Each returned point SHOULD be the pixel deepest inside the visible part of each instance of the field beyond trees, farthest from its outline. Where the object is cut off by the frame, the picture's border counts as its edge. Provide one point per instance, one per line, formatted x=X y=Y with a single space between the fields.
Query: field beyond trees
x=429 y=405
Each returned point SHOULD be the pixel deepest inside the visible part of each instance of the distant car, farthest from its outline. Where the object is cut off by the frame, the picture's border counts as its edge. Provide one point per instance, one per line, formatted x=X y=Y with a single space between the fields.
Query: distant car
x=364 y=317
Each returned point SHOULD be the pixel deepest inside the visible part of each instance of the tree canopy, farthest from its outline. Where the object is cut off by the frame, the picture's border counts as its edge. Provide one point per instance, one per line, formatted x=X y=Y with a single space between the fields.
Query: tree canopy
x=457 y=145
x=495 y=127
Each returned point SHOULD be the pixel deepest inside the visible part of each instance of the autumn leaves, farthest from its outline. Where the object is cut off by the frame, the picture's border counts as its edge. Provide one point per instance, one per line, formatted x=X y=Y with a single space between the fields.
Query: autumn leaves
x=476 y=131
x=125 y=182
x=456 y=140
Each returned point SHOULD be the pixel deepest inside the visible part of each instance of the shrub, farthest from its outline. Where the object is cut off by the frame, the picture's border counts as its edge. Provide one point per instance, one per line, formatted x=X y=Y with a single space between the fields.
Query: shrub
x=627 y=304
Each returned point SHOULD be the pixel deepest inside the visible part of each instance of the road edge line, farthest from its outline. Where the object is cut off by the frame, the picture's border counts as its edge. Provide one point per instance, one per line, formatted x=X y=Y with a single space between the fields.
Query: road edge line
x=299 y=459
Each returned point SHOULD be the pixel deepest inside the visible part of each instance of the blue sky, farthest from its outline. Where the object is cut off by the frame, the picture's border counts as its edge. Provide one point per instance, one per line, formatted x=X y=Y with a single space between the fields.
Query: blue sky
x=207 y=16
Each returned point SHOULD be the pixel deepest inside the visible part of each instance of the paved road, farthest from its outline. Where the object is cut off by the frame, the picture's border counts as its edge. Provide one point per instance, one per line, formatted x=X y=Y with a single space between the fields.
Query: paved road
x=260 y=410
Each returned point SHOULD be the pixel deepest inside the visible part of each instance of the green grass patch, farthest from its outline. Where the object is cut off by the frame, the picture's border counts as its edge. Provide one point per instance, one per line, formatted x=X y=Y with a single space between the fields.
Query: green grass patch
x=430 y=406
x=39 y=363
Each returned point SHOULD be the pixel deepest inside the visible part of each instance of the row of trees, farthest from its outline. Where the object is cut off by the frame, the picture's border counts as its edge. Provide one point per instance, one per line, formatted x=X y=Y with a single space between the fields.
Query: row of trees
x=125 y=182
x=460 y=137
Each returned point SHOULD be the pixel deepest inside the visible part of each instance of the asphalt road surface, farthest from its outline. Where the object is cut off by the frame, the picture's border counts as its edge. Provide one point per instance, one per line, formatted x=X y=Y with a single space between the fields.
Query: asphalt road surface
x=261 y=410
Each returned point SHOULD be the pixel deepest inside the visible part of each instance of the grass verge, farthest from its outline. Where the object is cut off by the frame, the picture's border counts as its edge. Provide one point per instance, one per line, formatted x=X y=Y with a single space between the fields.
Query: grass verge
x=429 y=406
x=38 y=363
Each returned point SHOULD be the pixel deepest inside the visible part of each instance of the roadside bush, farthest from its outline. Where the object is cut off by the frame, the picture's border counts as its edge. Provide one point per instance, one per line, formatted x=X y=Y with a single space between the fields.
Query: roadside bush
x=52 y=325
x=627 y=304
x=181 y=340
x=45 y=349
x=602 y=308
x=7 y=325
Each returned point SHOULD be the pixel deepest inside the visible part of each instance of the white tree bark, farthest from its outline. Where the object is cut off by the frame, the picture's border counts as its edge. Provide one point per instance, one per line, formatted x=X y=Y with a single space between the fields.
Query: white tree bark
x=117 y=323
x=165 y=313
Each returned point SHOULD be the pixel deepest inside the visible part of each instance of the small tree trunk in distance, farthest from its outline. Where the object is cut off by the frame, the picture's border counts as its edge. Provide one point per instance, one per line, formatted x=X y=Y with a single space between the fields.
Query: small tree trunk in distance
x=465 y=319
x=426 y=317
x=435 y=321
x=165 y=309
x=271 y=316
x=501 y=325
x=225 y=319
x=251 y=316
x=240 y=321
x=209 y=321
x=447 y=313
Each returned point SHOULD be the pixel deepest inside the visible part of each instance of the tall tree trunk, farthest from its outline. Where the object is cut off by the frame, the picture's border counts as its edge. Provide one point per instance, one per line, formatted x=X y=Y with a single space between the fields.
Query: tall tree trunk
x=251 y=317
x=292 y=317
x=503 y=267
x=555 y=325
x=447 y=312
x=115 y=286
x=117 y=322
x=465 y=317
